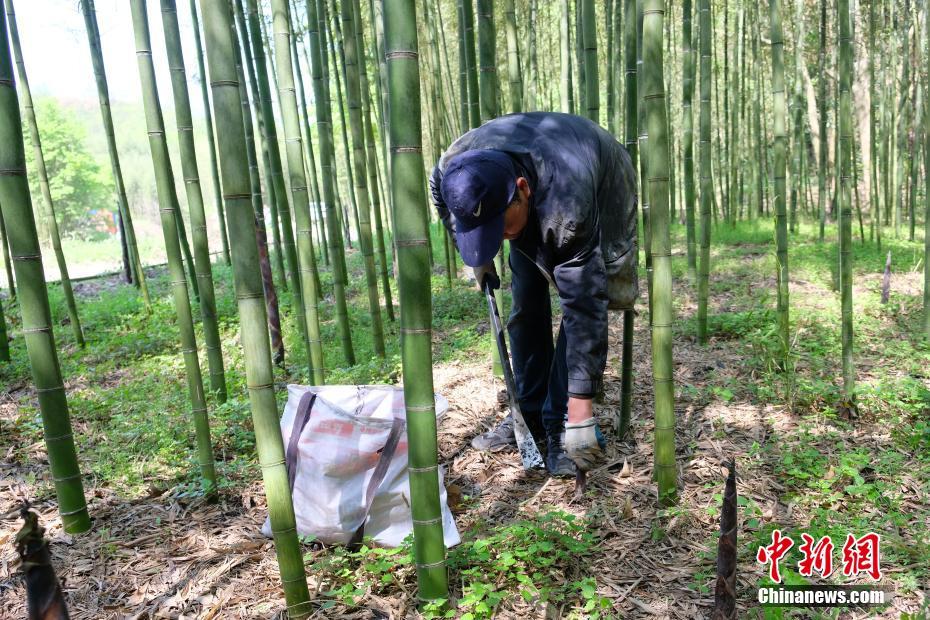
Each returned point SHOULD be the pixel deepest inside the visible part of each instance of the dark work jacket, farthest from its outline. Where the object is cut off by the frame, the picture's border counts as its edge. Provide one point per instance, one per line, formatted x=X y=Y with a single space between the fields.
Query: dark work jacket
x=581 y=231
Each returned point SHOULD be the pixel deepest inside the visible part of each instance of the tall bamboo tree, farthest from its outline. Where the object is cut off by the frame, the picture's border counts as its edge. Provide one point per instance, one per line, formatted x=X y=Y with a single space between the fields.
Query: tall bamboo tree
x=243 y=55
x=707 y=185
x=822 y=119
x=513 y=60
x=51 y=223
x=185 y=123
x=687 y=87
x=280 y=208
x=170 y=223
x=18 y=218
x=7 y=261
x=411 y=221
x=926 y=135
x=631 y=134
x=211 y=142
x=309 y=153
x=306 y=256
x=373 y=168
x=487 y=60
x=227 y=109
x=103 y=95
x=327 y=172
x=471 y=62
x=658 y=188
x=350 y=13
x=779 y=174
x=565 y=58
x=845 y=203
x=4 y=339
x=592 y=85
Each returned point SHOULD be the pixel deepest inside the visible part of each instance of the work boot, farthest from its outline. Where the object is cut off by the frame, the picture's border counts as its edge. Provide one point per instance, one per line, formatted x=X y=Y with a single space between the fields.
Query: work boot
x=497 y=439
x=558 y=463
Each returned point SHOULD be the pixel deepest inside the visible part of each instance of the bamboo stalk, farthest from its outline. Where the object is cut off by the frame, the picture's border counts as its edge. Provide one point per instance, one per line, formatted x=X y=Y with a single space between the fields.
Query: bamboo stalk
x=198 y=219
x=227 y=107
x=103 y=95
x=211 y=141
x=170 y=223
x=18 y=218
x=411 y=221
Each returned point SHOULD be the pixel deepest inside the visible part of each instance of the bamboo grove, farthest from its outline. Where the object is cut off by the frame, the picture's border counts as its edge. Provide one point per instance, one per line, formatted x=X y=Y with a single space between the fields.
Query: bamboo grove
x=322 y=117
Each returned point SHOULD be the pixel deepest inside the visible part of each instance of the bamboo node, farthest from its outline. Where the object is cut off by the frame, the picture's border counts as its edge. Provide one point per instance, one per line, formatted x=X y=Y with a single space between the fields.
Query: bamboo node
x=225 y=83
x=33 y=330
x=423 y=470
x=74 y=512
x=58 y=438
x=263 y=386
x=12 y=172
x=398 y=54
x=273 y=464
x=427 y=521
x=51 y=389
x=64 y=478
x=432 y=564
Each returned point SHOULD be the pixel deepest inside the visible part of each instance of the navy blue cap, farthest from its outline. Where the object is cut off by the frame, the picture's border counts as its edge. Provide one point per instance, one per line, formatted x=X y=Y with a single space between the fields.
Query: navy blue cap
x=477 y=187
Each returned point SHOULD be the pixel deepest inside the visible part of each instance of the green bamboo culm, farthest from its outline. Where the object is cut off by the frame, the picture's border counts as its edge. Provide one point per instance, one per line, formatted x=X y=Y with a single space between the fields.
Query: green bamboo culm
x=926 y=136
x=284 y=240
x=487 y=71
x=211 y=141
x=591 y=83
x=36 y=314
x=327 y=176
x=185 y=123
x=51 y=223
x=337 y=53
x=822 y=120
x=707 y=185
x=487 y=61
x=103 y=96
x=350 y=13
x=631 y=135
x=411 y=222
x=687 y=113
x=471 y=62
x=658 y=189
x=845 y=203
x=4 y=340
x=566 y=94
x=234 y=168
x=779 y=173
x=307 y=134
x=514 y=78
x=373 y=168
x=306 y=255
x=272 y=307
x=170 y=223
x=248 y=67
x=7 y=261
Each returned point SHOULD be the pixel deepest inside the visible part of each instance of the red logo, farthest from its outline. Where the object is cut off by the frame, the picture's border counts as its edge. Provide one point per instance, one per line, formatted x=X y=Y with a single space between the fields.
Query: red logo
x=774 y=553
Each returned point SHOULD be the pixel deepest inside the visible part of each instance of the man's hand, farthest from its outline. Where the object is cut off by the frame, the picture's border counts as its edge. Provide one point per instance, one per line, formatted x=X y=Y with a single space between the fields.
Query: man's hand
x=582 y=441
x=487 y=270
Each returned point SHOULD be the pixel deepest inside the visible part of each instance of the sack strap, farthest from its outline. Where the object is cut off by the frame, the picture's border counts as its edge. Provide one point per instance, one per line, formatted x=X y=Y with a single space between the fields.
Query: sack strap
x=304 y=408
x=387 y=453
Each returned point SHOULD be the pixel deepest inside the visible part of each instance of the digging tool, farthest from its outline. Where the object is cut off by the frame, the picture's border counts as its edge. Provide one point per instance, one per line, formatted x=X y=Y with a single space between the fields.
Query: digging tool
x=529 y=453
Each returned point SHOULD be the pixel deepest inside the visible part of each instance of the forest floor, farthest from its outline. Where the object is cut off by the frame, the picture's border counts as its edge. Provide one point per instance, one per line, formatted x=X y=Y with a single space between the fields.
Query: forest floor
x=529 y=550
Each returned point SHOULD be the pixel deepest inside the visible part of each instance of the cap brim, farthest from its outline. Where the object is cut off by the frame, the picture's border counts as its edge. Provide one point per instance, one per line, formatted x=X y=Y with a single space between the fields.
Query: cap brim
x=480 y=244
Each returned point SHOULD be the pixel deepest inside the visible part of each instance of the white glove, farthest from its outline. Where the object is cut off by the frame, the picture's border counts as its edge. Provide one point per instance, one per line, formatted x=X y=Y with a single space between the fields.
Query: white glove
x=582 y=444
x=487 y=270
